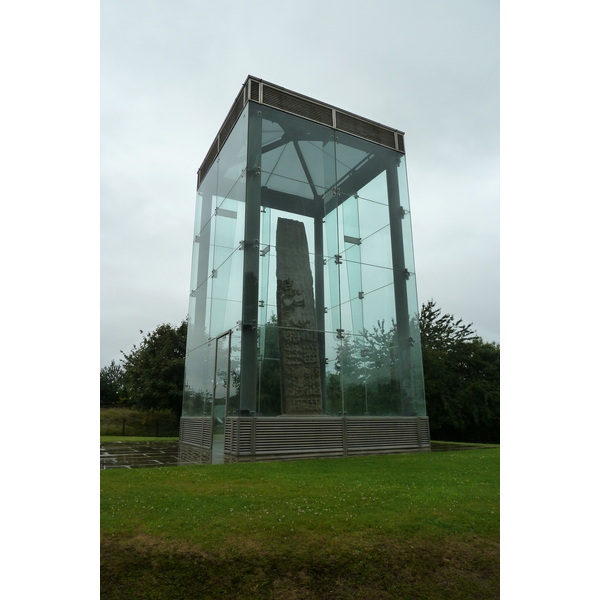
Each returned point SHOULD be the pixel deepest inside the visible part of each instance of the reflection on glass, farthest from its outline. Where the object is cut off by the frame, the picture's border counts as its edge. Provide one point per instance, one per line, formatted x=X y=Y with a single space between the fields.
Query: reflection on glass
x=334 y=405
x=221 y=389
x=235 y=374
x=199 y=366
x=269 y=374
x=343 y=191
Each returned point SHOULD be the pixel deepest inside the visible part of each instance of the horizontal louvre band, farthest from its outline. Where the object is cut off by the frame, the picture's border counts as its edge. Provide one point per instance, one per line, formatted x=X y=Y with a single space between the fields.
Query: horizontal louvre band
x=364 y=129
x=290 y=103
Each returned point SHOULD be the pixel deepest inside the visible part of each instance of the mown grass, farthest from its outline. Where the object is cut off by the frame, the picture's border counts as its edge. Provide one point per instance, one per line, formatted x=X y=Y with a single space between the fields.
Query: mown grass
x=403 y=526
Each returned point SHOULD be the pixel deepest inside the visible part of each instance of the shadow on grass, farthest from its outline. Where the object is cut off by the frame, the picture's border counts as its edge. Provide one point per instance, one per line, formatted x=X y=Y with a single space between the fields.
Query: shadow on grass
x=389 y=568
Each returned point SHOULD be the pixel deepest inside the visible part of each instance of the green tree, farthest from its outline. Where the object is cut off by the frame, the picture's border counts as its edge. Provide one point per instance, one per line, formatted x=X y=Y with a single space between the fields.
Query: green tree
x=462 y=379
x=154 y=371
x=111 y=384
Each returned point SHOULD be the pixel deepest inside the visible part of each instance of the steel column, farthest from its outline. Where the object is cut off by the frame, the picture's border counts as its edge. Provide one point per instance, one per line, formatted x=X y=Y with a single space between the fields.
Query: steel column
x=400 y=289
x=249 y=356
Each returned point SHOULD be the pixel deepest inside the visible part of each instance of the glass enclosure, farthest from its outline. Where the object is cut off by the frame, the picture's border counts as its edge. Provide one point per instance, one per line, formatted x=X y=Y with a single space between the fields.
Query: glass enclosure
x=303 y=260
x=215 y=306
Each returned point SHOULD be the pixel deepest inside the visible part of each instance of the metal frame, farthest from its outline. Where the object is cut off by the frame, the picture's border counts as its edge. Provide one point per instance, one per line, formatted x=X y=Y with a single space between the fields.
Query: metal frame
x=212 y=416
x=360 y=125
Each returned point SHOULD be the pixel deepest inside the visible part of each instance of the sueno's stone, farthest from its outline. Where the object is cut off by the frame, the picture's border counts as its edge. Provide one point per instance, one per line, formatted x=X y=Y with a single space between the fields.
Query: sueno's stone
x=298 y=342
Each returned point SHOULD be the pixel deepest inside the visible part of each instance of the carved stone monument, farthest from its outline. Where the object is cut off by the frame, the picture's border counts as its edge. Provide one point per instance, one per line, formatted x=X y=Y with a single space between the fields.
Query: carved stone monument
x=298 y=341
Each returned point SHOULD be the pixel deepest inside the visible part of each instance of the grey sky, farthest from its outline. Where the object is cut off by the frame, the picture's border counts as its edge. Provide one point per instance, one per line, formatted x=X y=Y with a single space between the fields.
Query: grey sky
x=171 y=70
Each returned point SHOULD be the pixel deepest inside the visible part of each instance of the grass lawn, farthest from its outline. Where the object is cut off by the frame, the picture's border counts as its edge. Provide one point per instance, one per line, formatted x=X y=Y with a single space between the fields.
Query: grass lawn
x=400 y=526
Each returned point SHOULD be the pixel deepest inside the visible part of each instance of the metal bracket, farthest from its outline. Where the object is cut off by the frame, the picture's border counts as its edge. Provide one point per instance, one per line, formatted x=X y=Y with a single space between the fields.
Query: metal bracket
x=261 y=303
x=361 y=295
x=338 y=259
x=340 y=334
x=352 y=240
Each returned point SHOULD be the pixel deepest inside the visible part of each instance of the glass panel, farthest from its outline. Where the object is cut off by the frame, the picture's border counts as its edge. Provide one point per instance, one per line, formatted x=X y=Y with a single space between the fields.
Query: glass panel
x=228 y=229
x=226 y=307
x=269 y=383
x=333 y=300
x=375 y=192
x=380 y=355
x=297 y=178
x=199 y=368
x=199 y=316
x=353 y=375
x=359 y=165
x=416 y=377
x=351 y=155
x=410 y=359
x=297 y=155
x=268 y=261
x=235 y=374
x=221 y=388
x=232 y=162
x=286 y=173
x=339 y=184
x=218 y=228
x=333 y=366
x=228 y=261
x=194 y=283
x=376 y=249
x=413 y=308
x=368 y=369
x=205 y=200
x=378 y=302
x=265 y=312
x=351 y=256
x=203 y=254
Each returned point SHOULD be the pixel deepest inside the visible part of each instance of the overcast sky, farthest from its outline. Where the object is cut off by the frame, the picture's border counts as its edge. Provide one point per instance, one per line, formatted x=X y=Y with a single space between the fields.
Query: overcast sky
x=170 y=71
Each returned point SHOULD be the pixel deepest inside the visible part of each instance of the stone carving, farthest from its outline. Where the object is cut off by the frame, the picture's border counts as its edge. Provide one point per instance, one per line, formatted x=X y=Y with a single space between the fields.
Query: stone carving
x=298 y=341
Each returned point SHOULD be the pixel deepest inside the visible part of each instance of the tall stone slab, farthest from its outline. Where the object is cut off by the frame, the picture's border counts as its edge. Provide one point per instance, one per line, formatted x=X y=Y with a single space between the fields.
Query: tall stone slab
x=298 y=340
